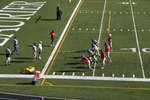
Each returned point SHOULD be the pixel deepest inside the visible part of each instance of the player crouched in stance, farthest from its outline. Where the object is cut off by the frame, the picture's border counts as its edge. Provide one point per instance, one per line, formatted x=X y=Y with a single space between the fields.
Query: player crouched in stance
x=40 y=48
x=92 y=57
x=8 y=56
x=107 y=51
x=90 y=52
x=34 y=48
x=86 y=61
x=95 y=47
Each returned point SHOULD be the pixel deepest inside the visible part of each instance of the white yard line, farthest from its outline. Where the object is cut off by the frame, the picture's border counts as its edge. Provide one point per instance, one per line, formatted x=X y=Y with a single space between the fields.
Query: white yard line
x=60 y=39
x=7 y=99
x=101 y=25
x=16 y=76
x=96 y=78
x=131 y=79
x=137 y=40
x=27 y=96
x=100 y=31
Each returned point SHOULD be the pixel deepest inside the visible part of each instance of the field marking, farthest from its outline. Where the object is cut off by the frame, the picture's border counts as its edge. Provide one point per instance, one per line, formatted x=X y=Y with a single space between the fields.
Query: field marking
x=16 y=76
x=109 y=22
x=77 y=86
x=1 y=98
x=74 y=51
x=100 y=31
x=60 y=42
x=98 y=78
x=30 y=97
x=60 y=39
x=92 y=32
x=71 y=77
x=114 y=12
x=69 y=28
x=101 y=24
x=137 y=40
x=100 y=87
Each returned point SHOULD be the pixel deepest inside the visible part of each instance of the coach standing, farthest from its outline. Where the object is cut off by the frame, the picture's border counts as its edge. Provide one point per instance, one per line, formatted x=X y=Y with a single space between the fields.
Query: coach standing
x=58 y=13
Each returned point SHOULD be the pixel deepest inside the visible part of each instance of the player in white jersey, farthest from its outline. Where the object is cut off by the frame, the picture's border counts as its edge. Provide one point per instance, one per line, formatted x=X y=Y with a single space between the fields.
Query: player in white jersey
x=110 y=40
x=16 y=45
x=34 y=48
x=40 y=48
x=8 y=56
x=96 y=50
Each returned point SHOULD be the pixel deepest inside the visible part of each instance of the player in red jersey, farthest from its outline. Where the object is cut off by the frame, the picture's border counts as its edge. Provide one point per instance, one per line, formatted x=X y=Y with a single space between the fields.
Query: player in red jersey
x=110 y=40
x=52 y=36
x=107 y=51
x=103 y=57
x=87 y=61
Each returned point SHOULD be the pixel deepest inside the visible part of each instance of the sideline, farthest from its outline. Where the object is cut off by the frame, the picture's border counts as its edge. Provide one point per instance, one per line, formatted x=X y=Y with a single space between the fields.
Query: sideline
x=55 y=50
x=100 y=87
x=60 y=39
x=15 y=96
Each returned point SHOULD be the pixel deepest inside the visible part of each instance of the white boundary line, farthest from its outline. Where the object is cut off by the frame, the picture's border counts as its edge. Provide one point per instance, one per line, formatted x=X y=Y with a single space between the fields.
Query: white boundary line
x=1 y=98
x=16 y=76
x=60 y=39
x=137 y=40
x=131 y=79
x=30 y=96
x=100 y=31
x=96 y=78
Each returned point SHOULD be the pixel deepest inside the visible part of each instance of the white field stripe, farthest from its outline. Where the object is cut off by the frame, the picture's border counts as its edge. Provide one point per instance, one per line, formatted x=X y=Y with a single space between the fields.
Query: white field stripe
x=16 y=76
x=101 y=25
x=100 y=31
x=137 y=40
x=96 y=78
x=7 y=99
x=30 y=96
x=77 y=77
x=60 y=39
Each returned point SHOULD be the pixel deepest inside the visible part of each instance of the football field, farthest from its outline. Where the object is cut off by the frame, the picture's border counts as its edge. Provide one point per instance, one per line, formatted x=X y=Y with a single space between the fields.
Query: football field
x=127 y=77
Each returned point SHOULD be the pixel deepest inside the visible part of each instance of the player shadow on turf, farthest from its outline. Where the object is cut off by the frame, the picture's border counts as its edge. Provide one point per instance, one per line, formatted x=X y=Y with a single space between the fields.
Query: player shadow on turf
x=47 y=19
x=80 y=51
x=43 y=45
x=73 y=63
x=81 y=67
x=75 y=57
x=22 y=60
x=27 y=83
x=2 y=54
x=44 y=19
x=71 y=70
x=3 y=65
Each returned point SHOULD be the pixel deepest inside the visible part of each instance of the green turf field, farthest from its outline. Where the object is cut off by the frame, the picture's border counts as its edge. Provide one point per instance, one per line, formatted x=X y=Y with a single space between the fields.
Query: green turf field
x=127 y=21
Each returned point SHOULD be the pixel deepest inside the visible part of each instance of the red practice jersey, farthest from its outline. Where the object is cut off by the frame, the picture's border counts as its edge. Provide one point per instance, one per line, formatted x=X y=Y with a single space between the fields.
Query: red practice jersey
x=85 y=59
x=110 y=38
x=52 y=34
x=103 y=55
x=107 y=48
